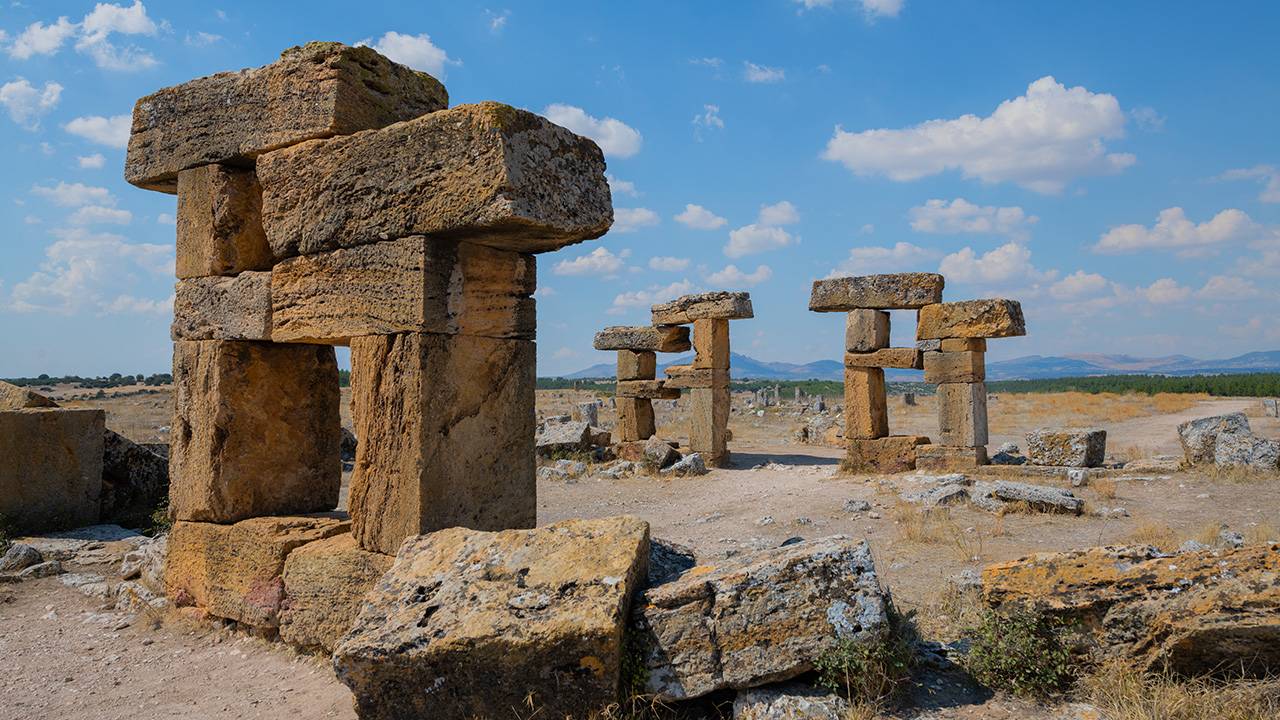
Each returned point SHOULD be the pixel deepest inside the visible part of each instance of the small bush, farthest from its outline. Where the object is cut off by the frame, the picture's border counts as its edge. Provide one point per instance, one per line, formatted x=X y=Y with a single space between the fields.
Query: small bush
x=871 y=672
x=1021 y=651
x=161 y=520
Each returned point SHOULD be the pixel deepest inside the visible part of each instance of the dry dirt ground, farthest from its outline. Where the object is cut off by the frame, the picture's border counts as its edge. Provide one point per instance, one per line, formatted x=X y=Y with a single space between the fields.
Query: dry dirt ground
x=63 y=657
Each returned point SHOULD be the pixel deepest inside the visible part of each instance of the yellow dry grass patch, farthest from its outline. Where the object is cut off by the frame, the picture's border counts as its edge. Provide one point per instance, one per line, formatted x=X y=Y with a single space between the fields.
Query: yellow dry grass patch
x=1019 y=411
x=1123 y=692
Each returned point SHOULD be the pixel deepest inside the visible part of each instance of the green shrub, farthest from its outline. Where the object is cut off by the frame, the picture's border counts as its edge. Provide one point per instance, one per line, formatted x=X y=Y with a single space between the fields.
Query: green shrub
x=871 y=672
x=1021 y=651
x=161 y=520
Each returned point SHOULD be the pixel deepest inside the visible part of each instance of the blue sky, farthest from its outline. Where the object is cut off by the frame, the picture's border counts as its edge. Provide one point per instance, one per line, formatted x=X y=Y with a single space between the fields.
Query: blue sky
x=1115 y=166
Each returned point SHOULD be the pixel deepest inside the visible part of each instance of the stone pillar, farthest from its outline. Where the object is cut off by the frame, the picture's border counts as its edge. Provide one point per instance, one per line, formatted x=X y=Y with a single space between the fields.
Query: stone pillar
x=637 y=386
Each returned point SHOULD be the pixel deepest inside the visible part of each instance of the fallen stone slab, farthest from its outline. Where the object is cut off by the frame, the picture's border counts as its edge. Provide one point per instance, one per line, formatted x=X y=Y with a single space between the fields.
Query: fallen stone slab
x=659 y=453
x=498 y=176
x=1200 y=437
x=51 y=473
x=900 y=291
x=13 y=397
x=758 y=618
x=318 y=90
x=1246 y=450
x=48 y=568
x=1070 y=447
x=565 y=437
x=687 y=466
x=993 y=318
x=789 y=701
x=643 y=338
x=145 y=563
x=325 y=582
x=19 y=557
x=720 y=305
x=1043 y=498
x=135 y=481
x=950 y=494
x=223 y=308
x=472 y=624
x=1158 y=464
x=667 y=560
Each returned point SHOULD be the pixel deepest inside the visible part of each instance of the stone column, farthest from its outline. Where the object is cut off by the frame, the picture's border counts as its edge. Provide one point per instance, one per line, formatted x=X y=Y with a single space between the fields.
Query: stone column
x=637 y=348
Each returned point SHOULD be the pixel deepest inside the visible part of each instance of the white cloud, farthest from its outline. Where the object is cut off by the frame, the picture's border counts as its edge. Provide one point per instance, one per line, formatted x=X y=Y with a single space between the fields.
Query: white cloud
x=625 y=187
x=1077 y=285
x=66 y=194
x=497 y=21
x=668 y=264
x=563 y=353
x=881 y=8
x=1041 y=141
x=112 y=131
x=1256 y=328
x=711 y=62
x=709 y=118
x=872 y=260
x=627 y=220
x=98 y=215
x=139 y=306
x=1165 y=291
x=545 y=291
x=202 y=39
x=416 y=51
x=962 y=216
x=166 y=219
x=731 y=276
x=41 y=39
x=597 y=262
x=97 y=271
x=615 y=138
x=1008 y=263
x=107 y=19
x=756 y=238
x=762 y=73
x=781 y=213
x=644 y=298
x=700 y=218
x=1173 y=231
x=1228 y=287
x=94 y=161
x=1147 y=119
x=27 y=104
x=1267 y=175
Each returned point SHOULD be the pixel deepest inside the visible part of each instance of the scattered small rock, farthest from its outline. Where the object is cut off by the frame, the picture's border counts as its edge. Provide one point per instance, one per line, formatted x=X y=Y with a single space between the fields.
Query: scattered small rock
x=18 y=557
x=689 y=465
x=855 y=506
x=47 y=568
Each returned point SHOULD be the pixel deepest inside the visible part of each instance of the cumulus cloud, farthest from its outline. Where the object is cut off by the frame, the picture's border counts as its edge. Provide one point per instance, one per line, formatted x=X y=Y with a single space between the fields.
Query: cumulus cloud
x=94 y=271
x=731 y=276
x=871 y=260
x=416 y=51
x=781 y=213
x=756 y=238
x=668 y=264
x=1266 y=175
x=110 y=131
x=962 y=216
x=644 y=298
x=26 y=104
x=99 y=215
x=615 y=138
x=700 y=218
x=1078 y=284
x=107 y=19
x=597 y=262
x=627 y=220
x=762 y=73
x=1174 y=231
x=1041 y=141
x=620 y=186
x=66 y=194
x=1227 y=288
x=1006 y=264
x=41 y=39
x=1165 y=291
x=94 y=161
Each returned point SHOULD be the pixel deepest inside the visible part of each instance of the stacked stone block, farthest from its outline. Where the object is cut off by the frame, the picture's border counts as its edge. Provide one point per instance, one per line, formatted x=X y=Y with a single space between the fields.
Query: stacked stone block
x=638 y=386
x=332 y=198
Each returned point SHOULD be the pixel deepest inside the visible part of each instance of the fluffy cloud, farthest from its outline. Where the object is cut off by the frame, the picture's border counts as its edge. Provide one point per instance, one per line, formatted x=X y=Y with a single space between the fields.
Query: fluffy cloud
x=416 y=51
x=202 y=39
x=98 y=215
x=1165 y=291
x=94 y=271
x=708 y=119
x=1041 y=141
x=620 y=186
x=93 y=161
x=41 y=39
x=1007 y=264
x=756 y=238
x=870 y=260
x=66 y=194
x=627 y=220
x=1227 y=288
x=1173 y=231
x=597 y=262
x=762 y=73
x=615 y=138
x=1267 y=175
x=731 y=276
x=782 y=213
x=27 y=104
x=700 y=218
x=112 y=131
x=668 y=264
x=962 y=216
x=1078 y=284
x=644 y=298
x=107 y=19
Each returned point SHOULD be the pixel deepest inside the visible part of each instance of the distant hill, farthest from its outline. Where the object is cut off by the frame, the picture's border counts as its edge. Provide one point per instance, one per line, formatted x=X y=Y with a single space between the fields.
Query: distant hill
x=1030 y=367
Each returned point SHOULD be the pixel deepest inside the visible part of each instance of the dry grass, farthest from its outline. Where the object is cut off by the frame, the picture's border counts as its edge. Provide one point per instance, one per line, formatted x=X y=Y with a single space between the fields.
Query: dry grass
x=1157 y=534
x=1237 y=475
x=1104 y=488
x=1019 y=411
x=935 y=526
x=946 y=618
x=1123 y=692
x=1261 y=533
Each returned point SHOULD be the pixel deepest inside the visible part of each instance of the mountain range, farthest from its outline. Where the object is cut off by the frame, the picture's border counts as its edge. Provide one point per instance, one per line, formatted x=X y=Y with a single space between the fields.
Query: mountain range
x=1030 y=367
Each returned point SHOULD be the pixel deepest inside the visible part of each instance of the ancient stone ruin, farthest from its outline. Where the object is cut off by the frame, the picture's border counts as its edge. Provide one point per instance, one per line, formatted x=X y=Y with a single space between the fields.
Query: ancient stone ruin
x=951 y=350
x=637 y=348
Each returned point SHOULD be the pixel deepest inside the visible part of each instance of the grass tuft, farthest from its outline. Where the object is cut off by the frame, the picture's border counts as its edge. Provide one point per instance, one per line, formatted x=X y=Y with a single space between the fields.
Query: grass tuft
x=1124 y=692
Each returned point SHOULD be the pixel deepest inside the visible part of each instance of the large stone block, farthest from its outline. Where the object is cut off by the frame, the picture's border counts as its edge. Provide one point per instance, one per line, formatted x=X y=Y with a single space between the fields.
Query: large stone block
x=219 y=224
x=318 y=90
x=471 y=624
x=497 y=176
x=325 y=583
x=223 y=308
x=635 y=419
x=708 y=424
x=955 y=367
x=866 y=330
x=135 y=481
x=950 y=458
x=1200 y=437
x=903 y=358
x=962 y=414
x=893 y=454
x=901 y=291
x=949 y=345
x=711 y=343
x=446 y=428
x=633 y=365
x=1070 y=447
x=971 y=319
x=1246 y=450
x=643 y=338
x=689 y=377
x=719 y=305
x=13 y=397
x=256 y=430
x=414 y=284
x=50 y=467
x=759 y=618
x=650 y=389
x=866 y=407
x=235 y=571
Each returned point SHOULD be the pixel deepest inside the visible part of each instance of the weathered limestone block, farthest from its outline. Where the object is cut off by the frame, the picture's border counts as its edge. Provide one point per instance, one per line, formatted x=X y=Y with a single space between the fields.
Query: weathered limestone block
x=947 y=458
x=789 y=701
x=962 y=414
x=135 y=481
x=1200 y=437
x=963 y=366
x=223 y=308
x=498 y=176
x=1042 y=498
x=1246 y=450
x=866 y=330
x=635 y=419
x=929 y=345
x=893 y=454
x=446 y=428
x=760 y=618
x=900 y=291
x=471 y=624
x=317 y=90
x=866 y=408
x=1071 y=447
x=563 y=437
x=643 y=338
x=634 y=365
x=13 y=397
x=719 y=305
x=904 y=358
x=1195 y=613
x=325 y=583
x=708 y=424
x=711 y=343
x=688 y=377
x=51 y=472
x=648 y=389
x=234 y=571
x=950 y=345
x=256 y=430
x=971 y=319
x=219 y=222
x=414 y=284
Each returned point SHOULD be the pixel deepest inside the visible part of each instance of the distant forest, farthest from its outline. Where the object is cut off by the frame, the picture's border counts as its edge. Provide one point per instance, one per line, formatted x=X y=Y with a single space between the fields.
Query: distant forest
x=105 y=381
